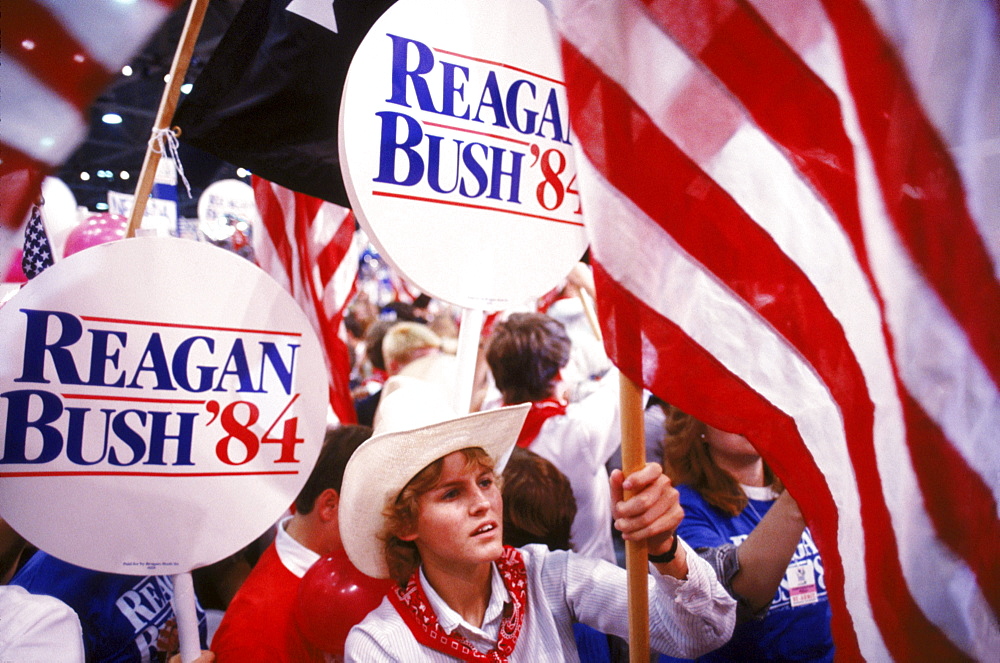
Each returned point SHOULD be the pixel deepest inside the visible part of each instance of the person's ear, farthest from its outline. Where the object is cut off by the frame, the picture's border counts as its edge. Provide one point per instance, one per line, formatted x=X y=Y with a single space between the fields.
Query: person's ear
x=327 y=503
x=408 y=535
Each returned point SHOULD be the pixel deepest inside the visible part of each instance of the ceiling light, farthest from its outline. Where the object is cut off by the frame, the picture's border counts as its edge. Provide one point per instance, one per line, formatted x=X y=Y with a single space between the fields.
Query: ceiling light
x=127 y=70
x=85 y=176
x=111 y=118
x=101 y=206
x=242 y=172
x=124 y=175
x=186 y=88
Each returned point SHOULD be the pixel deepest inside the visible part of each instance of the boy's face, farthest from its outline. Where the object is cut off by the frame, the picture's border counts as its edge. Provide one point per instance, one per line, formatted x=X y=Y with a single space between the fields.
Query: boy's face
x=460 y=521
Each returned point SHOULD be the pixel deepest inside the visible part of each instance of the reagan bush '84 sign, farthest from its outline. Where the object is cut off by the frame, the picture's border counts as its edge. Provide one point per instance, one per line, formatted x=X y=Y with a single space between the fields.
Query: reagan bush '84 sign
x=162 y=401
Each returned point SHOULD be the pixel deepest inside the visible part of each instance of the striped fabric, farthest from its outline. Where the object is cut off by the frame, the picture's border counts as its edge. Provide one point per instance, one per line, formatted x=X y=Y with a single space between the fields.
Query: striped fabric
x=309 y=246
x=57 y=56
x=793 y=210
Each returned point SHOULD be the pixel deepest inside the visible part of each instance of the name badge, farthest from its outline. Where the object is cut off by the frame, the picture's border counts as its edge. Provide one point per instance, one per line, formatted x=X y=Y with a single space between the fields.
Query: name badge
x=801 y=579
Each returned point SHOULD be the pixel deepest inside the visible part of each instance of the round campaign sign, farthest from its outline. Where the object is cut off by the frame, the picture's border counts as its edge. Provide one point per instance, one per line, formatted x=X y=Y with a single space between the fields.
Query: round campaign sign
x=162 y=402
x=456 y=152
x=223 y=206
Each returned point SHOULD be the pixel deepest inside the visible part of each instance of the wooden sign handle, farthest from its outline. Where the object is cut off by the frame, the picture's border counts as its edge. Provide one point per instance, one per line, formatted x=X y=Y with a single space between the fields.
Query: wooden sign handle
x=168 y=104
x=636 y=564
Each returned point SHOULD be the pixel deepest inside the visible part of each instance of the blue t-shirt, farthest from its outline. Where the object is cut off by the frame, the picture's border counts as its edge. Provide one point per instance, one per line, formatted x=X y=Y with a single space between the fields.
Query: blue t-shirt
x=799 y=632
x=121 y=615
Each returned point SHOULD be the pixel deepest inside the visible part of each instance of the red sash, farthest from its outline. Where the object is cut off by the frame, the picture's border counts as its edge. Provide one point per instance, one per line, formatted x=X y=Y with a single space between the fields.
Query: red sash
x=412 y=605
x=539 y=412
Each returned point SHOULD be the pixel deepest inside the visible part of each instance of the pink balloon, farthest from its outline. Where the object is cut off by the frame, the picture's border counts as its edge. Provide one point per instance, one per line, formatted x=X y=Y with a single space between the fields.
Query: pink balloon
x=95 y=229
x=333 y=597
x=14 y=273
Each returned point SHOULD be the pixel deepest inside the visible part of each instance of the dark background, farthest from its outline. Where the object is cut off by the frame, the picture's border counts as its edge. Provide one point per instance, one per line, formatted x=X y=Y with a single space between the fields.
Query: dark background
x=136 y=98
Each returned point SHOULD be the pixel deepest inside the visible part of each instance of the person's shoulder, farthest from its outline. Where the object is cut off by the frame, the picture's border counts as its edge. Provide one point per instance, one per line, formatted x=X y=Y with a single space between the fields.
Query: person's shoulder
x=381 y=622
x=690 y=496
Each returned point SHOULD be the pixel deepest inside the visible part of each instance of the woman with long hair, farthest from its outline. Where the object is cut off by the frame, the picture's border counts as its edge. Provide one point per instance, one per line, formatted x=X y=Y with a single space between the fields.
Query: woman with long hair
x=739 y=517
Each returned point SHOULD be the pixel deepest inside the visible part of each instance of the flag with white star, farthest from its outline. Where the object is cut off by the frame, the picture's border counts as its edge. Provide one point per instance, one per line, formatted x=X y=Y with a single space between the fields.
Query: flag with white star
x=37 y=249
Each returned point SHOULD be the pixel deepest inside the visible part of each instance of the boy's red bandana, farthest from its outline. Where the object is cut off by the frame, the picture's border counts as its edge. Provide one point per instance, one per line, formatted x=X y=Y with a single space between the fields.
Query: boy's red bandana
x=412 y=605
x=539 y=412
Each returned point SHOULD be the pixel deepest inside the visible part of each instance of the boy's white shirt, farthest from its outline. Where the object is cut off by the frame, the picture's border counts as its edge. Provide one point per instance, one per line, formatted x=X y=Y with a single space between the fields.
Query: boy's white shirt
x=295 y=556
x=450 y=620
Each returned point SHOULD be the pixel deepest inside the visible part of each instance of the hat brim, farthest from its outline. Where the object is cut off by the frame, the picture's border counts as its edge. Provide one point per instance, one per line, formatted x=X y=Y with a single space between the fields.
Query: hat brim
x=381 y=467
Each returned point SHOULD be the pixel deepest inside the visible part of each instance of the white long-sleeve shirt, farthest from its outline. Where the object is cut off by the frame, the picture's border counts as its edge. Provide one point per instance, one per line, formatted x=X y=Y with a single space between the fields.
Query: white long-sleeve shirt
x=686 y=617
x=579 y=443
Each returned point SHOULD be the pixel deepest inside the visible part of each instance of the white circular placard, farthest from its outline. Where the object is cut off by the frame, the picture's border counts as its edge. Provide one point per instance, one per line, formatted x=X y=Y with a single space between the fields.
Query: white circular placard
x=222 y=203
x=162 y=402
x=456 y=152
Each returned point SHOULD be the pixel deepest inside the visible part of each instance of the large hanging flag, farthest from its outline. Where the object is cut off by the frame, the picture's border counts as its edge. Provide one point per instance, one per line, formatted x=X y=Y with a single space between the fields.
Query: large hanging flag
x=793 y=215
x=310 y=247
x=269 y=98
x=57 y=56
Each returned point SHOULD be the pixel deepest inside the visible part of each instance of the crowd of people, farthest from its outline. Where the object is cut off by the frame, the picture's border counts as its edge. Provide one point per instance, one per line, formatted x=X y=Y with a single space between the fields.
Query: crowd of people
x=492 y=534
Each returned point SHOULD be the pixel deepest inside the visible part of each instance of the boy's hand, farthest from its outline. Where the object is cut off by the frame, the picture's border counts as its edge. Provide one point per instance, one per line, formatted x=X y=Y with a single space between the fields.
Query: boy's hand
x=651 y=513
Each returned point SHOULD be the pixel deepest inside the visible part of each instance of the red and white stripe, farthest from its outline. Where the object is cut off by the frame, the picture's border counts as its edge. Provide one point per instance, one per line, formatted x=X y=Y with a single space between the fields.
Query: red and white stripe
x=310 y=247
x=56 y=58
x=795 y=228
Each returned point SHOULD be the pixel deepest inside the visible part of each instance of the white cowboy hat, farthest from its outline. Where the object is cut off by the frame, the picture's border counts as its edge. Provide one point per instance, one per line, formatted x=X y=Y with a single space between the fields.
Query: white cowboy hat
x=415 y=427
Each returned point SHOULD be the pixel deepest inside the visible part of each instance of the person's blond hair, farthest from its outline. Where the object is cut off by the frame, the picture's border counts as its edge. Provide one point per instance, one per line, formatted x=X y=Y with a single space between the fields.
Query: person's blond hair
x=404 y=340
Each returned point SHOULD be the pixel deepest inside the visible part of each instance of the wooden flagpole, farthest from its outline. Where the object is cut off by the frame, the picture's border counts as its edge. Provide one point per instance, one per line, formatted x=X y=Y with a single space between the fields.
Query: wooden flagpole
x=636 y=564
x=168 y=104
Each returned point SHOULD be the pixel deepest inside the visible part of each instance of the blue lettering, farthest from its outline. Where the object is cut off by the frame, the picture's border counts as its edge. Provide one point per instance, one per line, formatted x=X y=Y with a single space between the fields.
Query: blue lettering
x=158 y=435
x=551 y=115
x=434 y=165
x=129 y=436
x=16 y=433
x=512 y=106
x=451 y=91
x=492 y=88
x=241 y=369
x=388 y=147
x=273 y=356
x=400 y=73
x=498 y=174
x=158 y=365
x=180 y=365
x=99 y=358
x=35 y=347
x=75 y=437
x=475 y=168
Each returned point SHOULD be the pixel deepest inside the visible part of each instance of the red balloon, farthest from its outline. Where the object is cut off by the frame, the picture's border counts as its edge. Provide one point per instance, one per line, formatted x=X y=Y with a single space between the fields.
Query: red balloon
x=333 y=597
x=95 y=229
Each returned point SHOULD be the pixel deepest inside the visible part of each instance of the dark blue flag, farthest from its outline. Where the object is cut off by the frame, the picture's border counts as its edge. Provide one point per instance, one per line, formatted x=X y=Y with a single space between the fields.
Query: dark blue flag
x=269 y=97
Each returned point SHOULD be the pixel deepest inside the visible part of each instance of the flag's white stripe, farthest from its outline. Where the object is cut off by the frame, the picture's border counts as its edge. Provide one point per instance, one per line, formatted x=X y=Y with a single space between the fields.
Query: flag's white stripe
x=890 y=433
x=940 y=371
x=759 y=178
x=37 y=121
x=951 y=53
x=335 y=296
x=939 y=348
x=111 y=30
x=680 y=290
x=945 y=376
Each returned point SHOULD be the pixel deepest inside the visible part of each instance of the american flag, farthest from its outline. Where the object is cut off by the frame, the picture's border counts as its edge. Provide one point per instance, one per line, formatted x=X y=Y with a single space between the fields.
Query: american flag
x=37 y=247
x=793 y=209
x=310 y=247
x=57 y=56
